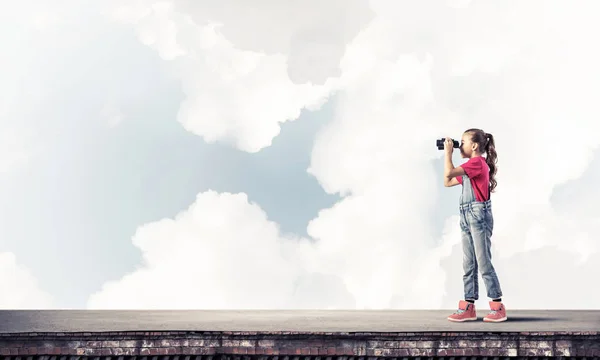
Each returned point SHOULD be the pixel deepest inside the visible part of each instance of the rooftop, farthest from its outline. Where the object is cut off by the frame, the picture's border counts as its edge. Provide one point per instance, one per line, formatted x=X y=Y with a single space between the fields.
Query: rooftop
x=309 y=321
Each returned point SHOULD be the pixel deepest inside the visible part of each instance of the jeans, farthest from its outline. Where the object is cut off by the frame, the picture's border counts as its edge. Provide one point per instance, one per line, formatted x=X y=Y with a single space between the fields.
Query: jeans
x=477 y=224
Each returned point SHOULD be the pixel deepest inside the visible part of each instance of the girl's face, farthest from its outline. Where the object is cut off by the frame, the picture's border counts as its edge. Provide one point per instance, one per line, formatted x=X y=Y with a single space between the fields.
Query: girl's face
x=466 y=146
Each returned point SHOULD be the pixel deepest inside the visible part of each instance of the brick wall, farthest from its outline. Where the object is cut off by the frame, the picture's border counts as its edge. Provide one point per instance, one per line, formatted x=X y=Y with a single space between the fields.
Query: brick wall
x=300 y=346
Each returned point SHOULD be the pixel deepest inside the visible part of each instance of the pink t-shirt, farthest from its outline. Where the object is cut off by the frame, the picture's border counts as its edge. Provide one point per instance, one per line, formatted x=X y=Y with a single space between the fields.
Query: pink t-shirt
x=479 y=173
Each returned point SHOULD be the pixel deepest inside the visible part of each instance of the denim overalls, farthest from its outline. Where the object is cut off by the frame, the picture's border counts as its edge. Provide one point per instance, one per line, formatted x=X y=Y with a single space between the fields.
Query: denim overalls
x=476 y=224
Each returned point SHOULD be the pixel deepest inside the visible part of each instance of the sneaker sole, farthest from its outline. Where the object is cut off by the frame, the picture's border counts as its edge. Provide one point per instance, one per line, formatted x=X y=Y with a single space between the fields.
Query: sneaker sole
x=495 y=320
x=462 y=320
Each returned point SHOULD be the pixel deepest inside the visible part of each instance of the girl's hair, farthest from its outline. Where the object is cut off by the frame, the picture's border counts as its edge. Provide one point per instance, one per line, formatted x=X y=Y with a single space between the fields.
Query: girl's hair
x=486 y=142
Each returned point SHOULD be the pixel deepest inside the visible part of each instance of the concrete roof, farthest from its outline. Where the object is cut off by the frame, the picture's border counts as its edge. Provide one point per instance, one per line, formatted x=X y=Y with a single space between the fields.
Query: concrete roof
x=13 y=321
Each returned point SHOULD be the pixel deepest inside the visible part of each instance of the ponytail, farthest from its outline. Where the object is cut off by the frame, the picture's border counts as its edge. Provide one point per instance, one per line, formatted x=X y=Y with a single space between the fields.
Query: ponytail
x=491 y=159
x=485 y=141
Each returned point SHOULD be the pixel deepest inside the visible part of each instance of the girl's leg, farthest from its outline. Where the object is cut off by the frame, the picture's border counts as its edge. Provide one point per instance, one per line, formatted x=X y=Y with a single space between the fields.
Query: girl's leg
x=480 y=225
x=470 y=275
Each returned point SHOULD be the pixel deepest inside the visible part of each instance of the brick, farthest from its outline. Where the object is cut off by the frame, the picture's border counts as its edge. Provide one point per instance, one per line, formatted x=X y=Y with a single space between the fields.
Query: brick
x=563 y=344
x=110 y=344
x=345 y=351
x=76 y=344
x=401 y=352
x=527 y=344
x=534 y=352
x=131 y=351
x=390 y=352
x=420 y=352
x=373 y=344
x=425 y=344
x=493 y=343
x=128 y=343
x=444 y=344
x=168 y=343
x=247 y=343
x=407 y=344
x=239 y=350
x=457 y=352
x=266 y=343
x=148 y=343
x=195 y=342
x=543 y=345
x=508 y=352
x=230 y=343
x=207 y=351
x=562 y=351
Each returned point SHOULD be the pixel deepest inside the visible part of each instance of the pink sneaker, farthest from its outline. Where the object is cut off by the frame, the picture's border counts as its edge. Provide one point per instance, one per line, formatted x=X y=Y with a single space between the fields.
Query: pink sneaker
x=466 y=312
x=498 y=313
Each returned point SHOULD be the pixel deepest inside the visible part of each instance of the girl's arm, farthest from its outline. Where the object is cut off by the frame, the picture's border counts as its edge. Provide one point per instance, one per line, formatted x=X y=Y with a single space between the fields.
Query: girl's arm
x=449 y=182
x=451 y=172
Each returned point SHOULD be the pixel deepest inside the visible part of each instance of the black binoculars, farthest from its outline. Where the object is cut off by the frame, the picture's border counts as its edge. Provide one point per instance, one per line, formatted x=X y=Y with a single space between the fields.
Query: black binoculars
x=440 y=144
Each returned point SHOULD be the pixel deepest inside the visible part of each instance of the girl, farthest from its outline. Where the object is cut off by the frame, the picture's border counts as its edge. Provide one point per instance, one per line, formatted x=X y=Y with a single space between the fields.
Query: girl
x=476 y=221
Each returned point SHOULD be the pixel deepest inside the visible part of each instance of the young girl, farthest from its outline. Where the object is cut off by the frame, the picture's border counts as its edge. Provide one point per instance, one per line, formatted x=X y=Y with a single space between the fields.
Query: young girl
x=476 y=221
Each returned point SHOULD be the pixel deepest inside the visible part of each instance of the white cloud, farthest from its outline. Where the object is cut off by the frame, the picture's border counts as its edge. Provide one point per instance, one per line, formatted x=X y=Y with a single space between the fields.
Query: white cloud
x=222 y=252
x=525 y=72
x=14 y=149
x=533 y=73
x=20 y=289
x=111 y=114
x=245 y=72
x=544 y=277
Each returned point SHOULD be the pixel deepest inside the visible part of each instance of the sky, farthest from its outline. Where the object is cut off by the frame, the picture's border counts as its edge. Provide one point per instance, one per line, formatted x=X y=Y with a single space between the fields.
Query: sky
x=268 y=155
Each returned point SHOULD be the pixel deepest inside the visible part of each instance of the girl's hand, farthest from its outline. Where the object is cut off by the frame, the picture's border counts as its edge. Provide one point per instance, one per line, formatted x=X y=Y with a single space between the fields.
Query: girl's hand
x=448 y=146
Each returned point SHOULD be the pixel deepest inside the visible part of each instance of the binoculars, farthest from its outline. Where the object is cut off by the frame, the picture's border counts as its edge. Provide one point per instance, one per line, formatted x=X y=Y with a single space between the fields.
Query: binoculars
x=440 y=144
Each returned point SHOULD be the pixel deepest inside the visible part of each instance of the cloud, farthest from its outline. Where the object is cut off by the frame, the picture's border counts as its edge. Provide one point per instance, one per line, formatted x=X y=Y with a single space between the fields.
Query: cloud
x=220 y=253
x=14 y=149
x=111 y=115
x=544 y=277
x=241 y=84
x=526 y=72
x=415 y=75
x=20 y=289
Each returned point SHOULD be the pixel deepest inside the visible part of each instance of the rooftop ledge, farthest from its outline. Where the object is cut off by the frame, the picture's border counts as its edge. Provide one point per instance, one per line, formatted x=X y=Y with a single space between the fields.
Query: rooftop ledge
x=293 y=335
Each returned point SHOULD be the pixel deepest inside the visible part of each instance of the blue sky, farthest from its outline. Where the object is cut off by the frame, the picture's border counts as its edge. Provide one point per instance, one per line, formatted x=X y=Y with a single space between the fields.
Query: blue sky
x=143 y=147
x=93 y=185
